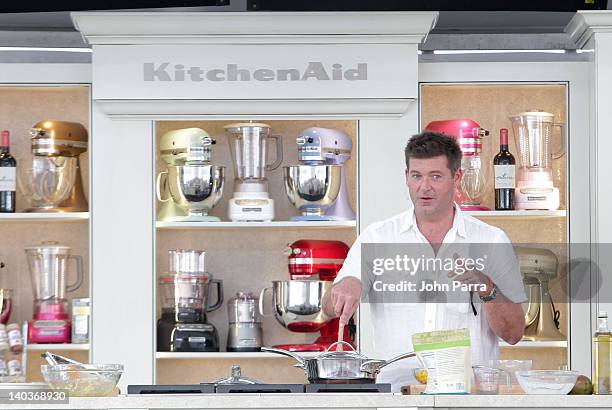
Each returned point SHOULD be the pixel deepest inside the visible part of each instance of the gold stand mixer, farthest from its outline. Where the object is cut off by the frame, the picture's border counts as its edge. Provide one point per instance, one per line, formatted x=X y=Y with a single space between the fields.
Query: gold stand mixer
x=538 y=267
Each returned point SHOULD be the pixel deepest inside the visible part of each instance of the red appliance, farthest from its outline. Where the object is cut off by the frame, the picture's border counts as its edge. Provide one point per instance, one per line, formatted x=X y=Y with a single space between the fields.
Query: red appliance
x=468 y=134
x=316 y=260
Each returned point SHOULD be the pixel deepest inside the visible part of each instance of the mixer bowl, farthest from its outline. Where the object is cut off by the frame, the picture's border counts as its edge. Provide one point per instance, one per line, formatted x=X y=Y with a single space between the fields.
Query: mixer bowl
x=297 y=304
x=196 y=188
x=312 y=188
x=48 y=182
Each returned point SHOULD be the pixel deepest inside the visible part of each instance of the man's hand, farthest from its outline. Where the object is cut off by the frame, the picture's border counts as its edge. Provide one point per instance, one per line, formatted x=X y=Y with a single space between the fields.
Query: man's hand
x=343 y=299
x=469 y=277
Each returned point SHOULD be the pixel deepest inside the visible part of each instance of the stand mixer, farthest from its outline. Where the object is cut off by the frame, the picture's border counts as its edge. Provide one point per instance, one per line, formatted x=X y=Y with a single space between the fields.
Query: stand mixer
x=533 y=132
x=468 y=134
x=538 y=267
x=297 y=302
x=318 y=186
x=248 y=144
x=53 y=182
x=192 y=186
x=48 y=266
x=184 y=292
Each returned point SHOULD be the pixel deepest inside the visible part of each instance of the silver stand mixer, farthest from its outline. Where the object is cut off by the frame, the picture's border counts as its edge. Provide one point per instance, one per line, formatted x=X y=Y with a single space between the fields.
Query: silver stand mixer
x=538 y=267
x=317 y=187
x=192 y=185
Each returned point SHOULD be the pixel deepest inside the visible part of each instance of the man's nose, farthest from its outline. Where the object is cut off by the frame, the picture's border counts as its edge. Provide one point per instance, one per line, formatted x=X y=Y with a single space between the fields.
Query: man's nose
x=426 y=184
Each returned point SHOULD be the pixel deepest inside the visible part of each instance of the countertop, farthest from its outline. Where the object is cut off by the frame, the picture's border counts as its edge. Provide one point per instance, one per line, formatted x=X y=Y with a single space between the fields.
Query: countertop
x=324 y=401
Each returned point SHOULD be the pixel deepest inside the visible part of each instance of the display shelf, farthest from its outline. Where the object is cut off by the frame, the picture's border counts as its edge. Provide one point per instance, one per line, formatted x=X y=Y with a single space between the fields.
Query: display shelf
x=44 y=216
x=535 y=344
x=228 y=355
x=57 y=346
x=257 y=225
x=517 y=214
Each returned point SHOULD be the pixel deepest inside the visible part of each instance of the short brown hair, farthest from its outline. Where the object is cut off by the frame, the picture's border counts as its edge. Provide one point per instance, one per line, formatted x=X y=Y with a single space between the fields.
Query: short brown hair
x=433 y=144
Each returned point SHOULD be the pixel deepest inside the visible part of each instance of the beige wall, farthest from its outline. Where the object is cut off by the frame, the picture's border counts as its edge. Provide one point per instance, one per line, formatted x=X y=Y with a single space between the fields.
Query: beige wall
x=490 y=106
x=247 y=259
x=20 y=109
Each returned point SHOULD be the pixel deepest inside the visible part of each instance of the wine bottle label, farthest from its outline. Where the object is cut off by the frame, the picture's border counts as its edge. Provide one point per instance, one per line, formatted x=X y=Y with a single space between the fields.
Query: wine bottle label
x=8 y=178
x=504 y=176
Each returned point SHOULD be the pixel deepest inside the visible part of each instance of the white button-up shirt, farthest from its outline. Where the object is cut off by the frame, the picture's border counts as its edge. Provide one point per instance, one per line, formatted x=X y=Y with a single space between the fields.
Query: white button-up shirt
x=393 y=324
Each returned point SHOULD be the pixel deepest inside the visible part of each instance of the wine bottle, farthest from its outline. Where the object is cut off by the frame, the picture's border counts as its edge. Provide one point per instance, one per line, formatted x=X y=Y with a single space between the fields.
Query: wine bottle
x=503 y=163
x=8 y=175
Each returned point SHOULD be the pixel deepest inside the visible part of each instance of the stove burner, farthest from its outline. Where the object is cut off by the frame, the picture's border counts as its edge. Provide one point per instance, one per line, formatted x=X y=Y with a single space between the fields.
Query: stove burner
x=171 y=389
x=260 y=388
x=348 y=388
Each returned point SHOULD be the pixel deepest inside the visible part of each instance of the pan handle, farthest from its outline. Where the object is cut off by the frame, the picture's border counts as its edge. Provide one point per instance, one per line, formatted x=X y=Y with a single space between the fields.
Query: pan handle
x=300 y=360
x=374 y=366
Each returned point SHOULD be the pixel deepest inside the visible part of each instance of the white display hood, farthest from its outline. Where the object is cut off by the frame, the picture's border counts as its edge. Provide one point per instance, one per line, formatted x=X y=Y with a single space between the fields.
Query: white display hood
x=182 y=65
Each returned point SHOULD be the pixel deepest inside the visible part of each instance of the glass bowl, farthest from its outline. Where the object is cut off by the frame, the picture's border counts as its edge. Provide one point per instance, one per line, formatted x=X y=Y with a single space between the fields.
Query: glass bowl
x=511 y=367
x=547 y=381
x=83 y=380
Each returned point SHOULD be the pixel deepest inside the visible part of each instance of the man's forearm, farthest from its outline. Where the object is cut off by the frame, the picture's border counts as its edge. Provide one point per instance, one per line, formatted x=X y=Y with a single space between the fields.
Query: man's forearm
x=506 y=319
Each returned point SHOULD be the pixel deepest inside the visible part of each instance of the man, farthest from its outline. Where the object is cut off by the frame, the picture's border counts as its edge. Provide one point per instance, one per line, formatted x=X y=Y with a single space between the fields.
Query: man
x=433 y=174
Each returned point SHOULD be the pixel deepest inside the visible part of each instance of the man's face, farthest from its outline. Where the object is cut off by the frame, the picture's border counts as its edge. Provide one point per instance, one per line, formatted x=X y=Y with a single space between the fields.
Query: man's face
x=431 y=184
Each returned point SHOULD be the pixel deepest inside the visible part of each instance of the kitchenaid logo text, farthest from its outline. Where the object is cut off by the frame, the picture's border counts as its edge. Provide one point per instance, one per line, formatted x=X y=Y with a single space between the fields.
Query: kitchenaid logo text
x=315 y=70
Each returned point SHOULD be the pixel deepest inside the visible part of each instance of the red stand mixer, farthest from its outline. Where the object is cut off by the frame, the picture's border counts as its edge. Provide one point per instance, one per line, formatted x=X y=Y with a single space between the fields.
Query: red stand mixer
x=313 y=266
x=468 y=134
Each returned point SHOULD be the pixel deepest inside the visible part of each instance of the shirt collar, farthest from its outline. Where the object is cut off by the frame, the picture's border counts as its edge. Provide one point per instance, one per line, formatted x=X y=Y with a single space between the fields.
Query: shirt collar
x=409 y=221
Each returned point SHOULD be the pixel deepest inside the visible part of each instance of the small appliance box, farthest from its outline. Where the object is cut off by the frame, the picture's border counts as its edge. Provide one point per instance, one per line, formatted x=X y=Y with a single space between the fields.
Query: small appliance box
x=81 y=310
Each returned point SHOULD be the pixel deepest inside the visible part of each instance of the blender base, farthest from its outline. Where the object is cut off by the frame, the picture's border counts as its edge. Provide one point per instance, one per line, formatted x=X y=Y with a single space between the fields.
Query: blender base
x=310 y=218
x=193 y=218
x=49 y=331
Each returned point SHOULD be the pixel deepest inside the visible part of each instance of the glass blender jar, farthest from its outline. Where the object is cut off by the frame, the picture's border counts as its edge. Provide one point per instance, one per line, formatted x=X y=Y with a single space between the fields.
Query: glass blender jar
x=184 y=294
x=48 y=266
x=245 y=333
x=533 y=132
x=248 y=144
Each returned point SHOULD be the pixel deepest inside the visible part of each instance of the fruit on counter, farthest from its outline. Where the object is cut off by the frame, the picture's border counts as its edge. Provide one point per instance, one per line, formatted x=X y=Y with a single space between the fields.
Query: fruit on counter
x=583 y=386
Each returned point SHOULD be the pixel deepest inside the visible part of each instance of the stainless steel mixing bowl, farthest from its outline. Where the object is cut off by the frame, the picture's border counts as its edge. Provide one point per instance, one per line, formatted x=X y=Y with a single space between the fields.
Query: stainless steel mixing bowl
x=297 y=303
x=312 y=188
x=196 y=188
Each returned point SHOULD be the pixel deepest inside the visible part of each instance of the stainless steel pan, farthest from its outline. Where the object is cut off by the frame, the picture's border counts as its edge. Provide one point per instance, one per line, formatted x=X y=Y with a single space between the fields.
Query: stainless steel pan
x=339 y=367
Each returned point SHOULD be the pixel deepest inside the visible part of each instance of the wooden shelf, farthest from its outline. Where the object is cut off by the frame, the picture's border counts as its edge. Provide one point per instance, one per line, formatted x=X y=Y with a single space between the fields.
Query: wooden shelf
x=228 y=355
x=44 y=216
x=33 y=347
x=517 y=214
x=536 y=344
x=257 y=225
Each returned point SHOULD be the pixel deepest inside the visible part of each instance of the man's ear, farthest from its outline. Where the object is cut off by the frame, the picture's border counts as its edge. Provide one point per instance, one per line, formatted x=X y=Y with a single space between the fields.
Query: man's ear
x=458 y=175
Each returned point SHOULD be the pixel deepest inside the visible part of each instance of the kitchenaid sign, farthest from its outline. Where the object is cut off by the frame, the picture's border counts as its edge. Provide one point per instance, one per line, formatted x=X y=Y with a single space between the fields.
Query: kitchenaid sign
x=313 y=71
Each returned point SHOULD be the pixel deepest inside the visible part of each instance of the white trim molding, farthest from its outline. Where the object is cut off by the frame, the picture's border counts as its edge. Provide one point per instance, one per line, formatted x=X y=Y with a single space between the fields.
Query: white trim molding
x=586 y=23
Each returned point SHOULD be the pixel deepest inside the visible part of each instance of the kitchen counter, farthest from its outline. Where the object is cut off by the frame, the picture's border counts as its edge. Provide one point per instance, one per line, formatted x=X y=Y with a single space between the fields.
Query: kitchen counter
x=325 y=401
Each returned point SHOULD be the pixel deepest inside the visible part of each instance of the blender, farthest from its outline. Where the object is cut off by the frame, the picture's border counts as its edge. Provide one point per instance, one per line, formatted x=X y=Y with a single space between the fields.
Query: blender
x=192 y=185
x=313 y=266
x=248 y=146
x=184 y=292
x=533 y=131
x=468 y=134
x=245 y=334
x=48 y=265
x=53 y=182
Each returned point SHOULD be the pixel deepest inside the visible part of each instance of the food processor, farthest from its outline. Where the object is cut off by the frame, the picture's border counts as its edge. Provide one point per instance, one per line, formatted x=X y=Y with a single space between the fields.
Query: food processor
x=184 y=293
x=245 y=334
x=190 y=186
x=52 y=183
x=468 y=134
x=533 y=132
x=248 y=144
x=48 y=264
x=313 y=266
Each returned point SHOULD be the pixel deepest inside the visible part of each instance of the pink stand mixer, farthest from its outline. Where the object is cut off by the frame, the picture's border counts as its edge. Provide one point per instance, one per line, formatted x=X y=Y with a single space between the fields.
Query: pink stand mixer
x=48 y=268
x=469 y=134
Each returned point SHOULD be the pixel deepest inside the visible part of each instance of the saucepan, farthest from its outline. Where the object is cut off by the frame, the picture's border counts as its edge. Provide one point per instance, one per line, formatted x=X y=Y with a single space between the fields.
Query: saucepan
x=347 y=366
